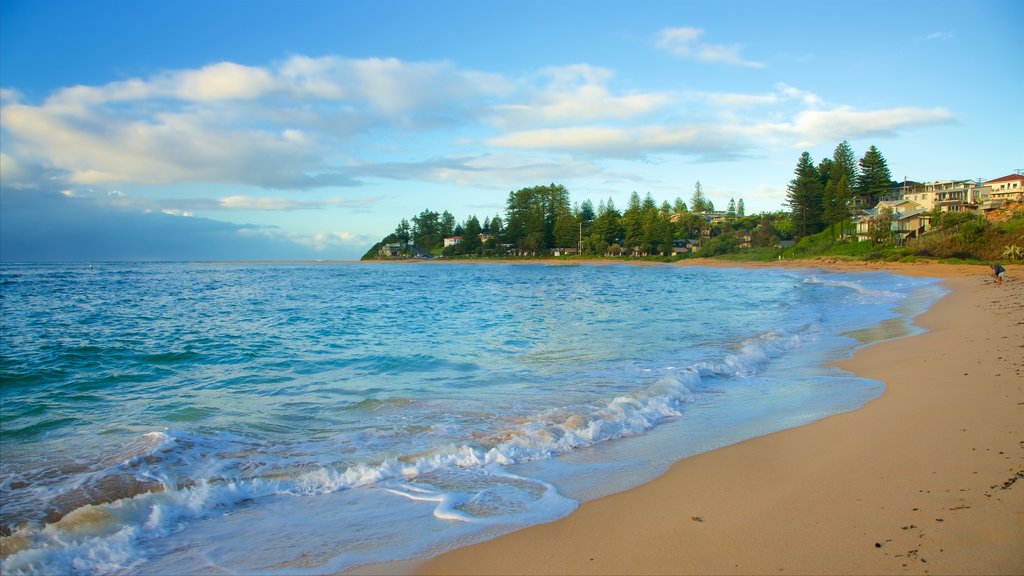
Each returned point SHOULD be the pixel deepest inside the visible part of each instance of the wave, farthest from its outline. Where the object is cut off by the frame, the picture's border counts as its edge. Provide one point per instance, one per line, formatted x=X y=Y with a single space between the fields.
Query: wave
x=853 y=285
x=176 y=477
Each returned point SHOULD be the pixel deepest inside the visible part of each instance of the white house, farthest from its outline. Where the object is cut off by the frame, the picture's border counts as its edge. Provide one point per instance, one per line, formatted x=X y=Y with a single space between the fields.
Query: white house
x=1006 y=189
x=909 y=219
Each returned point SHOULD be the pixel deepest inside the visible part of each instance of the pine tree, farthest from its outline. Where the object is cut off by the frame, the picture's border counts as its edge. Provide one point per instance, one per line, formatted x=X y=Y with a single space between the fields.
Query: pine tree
x=731 y=211
x=632 y=222
x=843 y=175
x=804 y=196
x=874 y=177
x=698 y=202
x=471 y=236
x=740 y=210
x=844 y=163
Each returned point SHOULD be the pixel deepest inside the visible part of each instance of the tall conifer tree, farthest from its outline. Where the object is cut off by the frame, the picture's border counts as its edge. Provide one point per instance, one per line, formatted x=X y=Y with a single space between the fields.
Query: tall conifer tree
x=804 y=196
x=874 y=177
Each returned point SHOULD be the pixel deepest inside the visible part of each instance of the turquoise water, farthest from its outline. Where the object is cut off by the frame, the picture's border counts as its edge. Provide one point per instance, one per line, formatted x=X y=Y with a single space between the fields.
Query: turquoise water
x=183 y=418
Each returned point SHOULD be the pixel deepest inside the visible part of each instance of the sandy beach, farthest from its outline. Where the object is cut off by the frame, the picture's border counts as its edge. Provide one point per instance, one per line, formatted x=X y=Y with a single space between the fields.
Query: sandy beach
x=927 y=479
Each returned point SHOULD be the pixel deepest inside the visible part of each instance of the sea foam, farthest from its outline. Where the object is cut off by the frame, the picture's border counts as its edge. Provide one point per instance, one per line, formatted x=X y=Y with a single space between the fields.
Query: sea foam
x=435 y=409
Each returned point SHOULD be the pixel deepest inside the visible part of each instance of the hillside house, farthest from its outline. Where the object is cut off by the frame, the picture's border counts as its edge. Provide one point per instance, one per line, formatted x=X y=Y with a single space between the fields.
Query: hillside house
x=1009 y=188
x=452 y=241
x=909 y=220
x=392 y=250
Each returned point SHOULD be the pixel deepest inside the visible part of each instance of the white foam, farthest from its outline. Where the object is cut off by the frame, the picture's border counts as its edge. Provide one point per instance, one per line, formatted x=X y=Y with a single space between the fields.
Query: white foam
x=852 y=285
x=208 y=475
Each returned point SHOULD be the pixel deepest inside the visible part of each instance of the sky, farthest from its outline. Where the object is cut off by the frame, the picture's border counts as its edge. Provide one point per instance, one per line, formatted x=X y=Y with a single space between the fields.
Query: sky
x=307 y=129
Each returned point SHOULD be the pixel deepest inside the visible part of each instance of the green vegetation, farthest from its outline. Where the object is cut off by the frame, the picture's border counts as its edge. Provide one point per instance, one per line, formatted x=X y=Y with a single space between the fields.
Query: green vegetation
x=541 y=220
x=822 y=198
x=954 y=237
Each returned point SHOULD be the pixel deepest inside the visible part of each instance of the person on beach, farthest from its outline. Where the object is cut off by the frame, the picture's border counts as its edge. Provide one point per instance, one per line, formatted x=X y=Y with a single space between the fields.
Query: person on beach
x=998 y=271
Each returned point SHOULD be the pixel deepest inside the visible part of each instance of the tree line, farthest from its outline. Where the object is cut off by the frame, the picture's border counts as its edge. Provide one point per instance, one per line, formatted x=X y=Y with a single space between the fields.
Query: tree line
x=538 y=219
x=824 y=195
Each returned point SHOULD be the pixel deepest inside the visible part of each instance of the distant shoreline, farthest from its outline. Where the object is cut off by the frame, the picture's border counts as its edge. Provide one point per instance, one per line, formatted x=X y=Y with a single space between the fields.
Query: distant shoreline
x=918 y=268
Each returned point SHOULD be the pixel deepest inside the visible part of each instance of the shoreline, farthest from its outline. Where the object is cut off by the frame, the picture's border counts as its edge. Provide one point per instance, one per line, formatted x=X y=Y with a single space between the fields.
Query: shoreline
x=919 y=480
x=918 y=268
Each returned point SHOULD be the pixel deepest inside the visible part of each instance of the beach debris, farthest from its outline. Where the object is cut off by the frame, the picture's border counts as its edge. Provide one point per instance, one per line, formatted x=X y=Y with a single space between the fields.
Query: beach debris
x=1005 y=485
x=697 y=518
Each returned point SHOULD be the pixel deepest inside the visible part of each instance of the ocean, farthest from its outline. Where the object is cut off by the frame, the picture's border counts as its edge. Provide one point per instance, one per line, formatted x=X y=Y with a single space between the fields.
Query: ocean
x=171 y=418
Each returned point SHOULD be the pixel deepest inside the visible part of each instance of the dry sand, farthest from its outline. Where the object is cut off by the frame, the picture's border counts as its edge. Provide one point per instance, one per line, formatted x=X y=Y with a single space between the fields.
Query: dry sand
x=920 y=480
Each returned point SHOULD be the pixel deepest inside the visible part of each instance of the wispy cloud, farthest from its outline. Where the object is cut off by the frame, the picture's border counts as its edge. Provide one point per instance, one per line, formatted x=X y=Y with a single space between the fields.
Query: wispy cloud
x=935 y=36
x=577 y=93
x=686 y=43
x=330 y=122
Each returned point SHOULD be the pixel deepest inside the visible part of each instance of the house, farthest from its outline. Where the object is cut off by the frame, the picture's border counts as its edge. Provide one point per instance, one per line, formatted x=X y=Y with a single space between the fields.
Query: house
x=901 y=190
x=952 y=195
x=485 y=236
x=452 y=241
x=564 y=251
x=684 y=246
x=714 y=217
x=909 y=225
x=392 y=250
x=1009 y=188
x=909 y=219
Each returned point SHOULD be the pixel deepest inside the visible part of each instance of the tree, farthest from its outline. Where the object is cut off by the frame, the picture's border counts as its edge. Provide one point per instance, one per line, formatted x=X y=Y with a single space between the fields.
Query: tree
x=698 y=202
x=567 y=231
x=608 y=223
x=471 y=236
x=426 y=230
x=648 y=203
x=825 y=171
x=731 y=211
x=632 y=223
x=403 y=232
x=447 y=223
x=497 y=227
x=804 y=196
x=740 y=210
x=830 y=207
x=656 y=232
x=874 y=177
x=843 y=174
x=844 y=163
x=880 y=227
x=586 y=213
x=679 y=206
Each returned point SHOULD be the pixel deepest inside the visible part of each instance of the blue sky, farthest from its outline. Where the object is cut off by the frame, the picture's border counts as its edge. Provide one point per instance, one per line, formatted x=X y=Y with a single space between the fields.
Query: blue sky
x=307 y=129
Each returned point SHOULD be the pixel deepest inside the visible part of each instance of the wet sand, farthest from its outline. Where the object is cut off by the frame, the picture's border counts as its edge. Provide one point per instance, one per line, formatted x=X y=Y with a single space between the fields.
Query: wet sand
x=928 y=478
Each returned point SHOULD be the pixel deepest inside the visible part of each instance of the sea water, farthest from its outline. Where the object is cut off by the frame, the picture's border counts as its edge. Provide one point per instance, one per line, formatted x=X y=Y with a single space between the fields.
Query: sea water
x=168 y=418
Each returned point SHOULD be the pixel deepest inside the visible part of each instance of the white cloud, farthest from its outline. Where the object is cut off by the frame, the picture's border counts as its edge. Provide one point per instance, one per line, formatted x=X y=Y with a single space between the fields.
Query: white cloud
x=705 y=141
x=319 y=241
x=95 y=146
x=306 y=123
x=685 y=43
x=679 y=41
x=812 y=127
x=251 y=203
x=256 y=203
x=222 y=81
x=578 y=93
